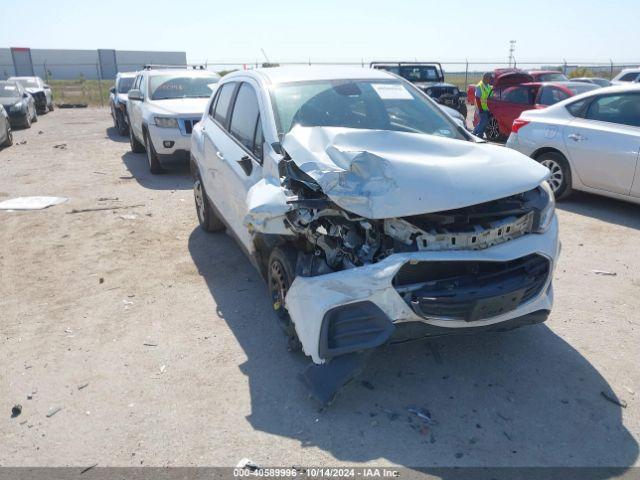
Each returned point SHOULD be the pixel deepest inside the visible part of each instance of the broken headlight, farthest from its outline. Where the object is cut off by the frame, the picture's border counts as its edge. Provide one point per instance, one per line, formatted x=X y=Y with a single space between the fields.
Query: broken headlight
x=547 y=212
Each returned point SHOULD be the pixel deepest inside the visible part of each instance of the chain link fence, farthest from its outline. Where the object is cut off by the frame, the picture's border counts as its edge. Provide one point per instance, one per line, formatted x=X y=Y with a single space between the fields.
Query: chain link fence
x=83 y=83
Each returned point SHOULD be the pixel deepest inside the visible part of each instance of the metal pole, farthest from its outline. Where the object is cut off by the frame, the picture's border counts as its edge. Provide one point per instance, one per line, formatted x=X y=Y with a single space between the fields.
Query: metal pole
x=100 y=84
x=466 y=73
x=611 y=70
x=46 y=74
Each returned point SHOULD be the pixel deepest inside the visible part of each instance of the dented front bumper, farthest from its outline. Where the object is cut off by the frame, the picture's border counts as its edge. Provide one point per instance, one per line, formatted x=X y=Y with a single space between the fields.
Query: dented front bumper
x=363 y=306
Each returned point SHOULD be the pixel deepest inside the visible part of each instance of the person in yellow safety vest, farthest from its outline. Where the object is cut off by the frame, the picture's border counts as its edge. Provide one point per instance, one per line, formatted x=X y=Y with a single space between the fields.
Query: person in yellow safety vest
x=483 y=91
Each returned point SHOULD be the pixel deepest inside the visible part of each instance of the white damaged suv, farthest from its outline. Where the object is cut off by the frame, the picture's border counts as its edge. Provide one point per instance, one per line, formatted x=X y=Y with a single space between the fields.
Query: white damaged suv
x=164 y=105
x=372 y=215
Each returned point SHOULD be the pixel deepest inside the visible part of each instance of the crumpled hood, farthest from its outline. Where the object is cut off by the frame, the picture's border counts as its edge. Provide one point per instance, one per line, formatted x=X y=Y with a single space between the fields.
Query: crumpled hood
x=9 y=102
x=33 y=90
x=384 y=174
x=180 y=106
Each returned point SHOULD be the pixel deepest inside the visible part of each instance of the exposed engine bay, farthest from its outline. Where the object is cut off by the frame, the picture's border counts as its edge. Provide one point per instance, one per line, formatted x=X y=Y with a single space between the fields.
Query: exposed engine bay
x=333 y=239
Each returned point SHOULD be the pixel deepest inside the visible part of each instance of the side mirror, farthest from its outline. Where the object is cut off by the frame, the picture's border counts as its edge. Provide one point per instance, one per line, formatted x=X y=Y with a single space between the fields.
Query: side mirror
x=135 y=95
x=113 y=90
x=25 y=95
x=47 y=87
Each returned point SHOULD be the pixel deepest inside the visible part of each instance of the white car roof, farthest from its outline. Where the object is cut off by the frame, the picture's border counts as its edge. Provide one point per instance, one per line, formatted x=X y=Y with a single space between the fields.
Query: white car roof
x=127 y=74
x=630 y=88
x=311 y=73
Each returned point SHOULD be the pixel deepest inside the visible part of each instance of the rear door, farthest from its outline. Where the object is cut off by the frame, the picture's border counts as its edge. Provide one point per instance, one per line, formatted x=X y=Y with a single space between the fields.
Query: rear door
x=604 y=143
x=215 y=142
x=508 y=103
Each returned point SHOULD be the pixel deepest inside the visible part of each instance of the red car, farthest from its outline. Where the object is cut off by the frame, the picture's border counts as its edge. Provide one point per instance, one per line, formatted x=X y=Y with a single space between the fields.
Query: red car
x=515 y=91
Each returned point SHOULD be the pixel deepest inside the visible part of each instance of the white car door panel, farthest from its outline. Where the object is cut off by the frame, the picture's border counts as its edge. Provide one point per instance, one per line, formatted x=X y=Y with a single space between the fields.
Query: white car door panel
x=602 y=148
x=241 y=167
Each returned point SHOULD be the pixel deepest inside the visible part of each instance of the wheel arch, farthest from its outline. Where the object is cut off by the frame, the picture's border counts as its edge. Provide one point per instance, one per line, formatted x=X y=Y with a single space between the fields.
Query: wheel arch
x=541 y=151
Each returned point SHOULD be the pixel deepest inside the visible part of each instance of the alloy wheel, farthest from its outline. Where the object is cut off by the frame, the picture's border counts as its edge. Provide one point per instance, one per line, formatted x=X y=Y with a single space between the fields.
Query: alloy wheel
x=278 y=287
x=493 y=131
x=198 y=194
x=557 y=177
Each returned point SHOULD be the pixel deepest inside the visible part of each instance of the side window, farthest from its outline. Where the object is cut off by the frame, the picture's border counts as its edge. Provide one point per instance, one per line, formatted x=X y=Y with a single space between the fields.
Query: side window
x=519 y=94
x=258 y=142
x=212 y=107
x=551 y=95
x=136 y=83
x=622 y=109
x=577 y=108
x=245 y=116
x=221 y=112
x=143 y=86
x=628 y=77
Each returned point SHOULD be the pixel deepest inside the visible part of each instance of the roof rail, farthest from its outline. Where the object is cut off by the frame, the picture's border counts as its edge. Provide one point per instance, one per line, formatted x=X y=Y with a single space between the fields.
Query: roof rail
x=153 y=66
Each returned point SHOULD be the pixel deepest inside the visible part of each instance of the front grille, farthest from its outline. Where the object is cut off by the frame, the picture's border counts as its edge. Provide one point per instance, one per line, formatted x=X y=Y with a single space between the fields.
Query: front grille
x=471 y=290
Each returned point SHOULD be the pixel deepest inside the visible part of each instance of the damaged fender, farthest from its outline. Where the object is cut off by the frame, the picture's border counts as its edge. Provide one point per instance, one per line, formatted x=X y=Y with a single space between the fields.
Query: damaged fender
x=267 y=206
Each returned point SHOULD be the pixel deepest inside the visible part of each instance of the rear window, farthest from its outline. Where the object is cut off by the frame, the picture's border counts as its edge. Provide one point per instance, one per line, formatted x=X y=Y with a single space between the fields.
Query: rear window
x=578 y=89
x=552 y=77
x=8 y=90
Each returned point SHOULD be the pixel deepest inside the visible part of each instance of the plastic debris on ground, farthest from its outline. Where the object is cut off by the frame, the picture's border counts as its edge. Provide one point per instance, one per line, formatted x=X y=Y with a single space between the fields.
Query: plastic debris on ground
x=31 y=203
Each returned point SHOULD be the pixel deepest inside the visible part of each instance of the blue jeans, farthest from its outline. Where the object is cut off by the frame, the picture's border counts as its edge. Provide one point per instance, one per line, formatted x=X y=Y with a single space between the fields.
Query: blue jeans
x=482 y=124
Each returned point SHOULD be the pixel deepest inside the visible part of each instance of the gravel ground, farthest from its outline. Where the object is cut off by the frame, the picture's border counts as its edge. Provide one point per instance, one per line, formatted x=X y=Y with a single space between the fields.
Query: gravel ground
x=157 y=342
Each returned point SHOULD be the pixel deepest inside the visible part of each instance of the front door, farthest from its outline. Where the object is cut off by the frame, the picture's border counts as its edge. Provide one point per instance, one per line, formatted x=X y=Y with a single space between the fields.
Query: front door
x=604 y=145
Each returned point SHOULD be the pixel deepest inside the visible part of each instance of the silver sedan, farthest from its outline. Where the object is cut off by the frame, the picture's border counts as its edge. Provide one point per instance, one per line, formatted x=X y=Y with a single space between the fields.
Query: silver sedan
x=590 y=142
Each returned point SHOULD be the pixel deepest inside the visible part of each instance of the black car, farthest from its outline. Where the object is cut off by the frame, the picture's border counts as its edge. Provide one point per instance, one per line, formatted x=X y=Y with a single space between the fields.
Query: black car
x=428 y=77
x=18 y=103
x=40 y=91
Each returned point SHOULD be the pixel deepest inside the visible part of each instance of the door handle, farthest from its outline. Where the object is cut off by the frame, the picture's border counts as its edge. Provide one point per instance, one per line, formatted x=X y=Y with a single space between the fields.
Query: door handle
x=219 y=155
x=576 y=137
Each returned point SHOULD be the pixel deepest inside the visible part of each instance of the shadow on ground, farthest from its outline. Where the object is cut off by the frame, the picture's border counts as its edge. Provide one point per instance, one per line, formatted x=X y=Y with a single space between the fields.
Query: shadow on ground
x=112 y=134
x=524 y=398
x=176 y=177
x=602 y=208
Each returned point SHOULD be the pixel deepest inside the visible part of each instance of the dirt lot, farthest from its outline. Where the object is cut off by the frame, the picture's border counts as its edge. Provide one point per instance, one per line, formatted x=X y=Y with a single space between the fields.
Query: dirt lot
x=172 y=333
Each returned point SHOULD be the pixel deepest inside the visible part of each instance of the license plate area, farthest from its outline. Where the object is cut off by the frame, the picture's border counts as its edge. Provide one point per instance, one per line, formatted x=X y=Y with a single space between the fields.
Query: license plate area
x=494 y=306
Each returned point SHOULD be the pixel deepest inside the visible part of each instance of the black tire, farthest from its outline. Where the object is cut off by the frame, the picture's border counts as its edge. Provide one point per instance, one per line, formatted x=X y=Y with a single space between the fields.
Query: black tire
x=492 y=132
x=27 y=120
x=152 y=156
x=51 y=107
x=113 y=117
x=281 y=271
x=136 y=146
x=560 y=180
x=35 y=116
x=9 y=140
x=121 y=124
x=207 y=218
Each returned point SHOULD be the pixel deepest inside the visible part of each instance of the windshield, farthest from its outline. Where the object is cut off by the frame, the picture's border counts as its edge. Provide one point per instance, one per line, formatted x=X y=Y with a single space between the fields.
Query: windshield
x=366 y=104
x=552 y=77
x=28 y=82
x=8 y=90
x=415 y=73
x=125 y=84
x=164 y=87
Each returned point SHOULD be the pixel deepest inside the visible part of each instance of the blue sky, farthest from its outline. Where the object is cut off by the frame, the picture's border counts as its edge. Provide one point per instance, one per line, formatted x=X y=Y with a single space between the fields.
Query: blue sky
x=324 y=30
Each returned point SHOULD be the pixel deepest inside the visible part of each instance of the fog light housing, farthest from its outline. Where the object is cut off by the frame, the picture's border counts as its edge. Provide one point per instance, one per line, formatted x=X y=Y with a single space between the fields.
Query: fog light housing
x=168 y=143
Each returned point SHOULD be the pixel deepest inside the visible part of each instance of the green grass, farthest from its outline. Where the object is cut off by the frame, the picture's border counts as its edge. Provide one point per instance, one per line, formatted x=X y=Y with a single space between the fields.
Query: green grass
x=81 y=91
